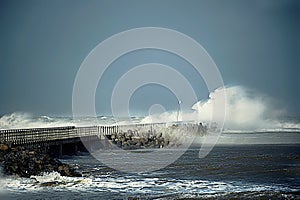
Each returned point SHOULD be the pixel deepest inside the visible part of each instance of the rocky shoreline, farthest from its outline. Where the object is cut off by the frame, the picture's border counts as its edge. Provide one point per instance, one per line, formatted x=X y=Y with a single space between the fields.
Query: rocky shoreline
x=27 y=161
x=129 y=141
x=169 y=137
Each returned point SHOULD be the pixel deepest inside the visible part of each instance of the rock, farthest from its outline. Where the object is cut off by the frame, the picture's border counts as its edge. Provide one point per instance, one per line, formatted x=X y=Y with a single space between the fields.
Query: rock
x=129 y=134
x=159 y=135
x=49 y=184
x=39 y=162
x=25 y=161
x=140 y=140
x=65 y=170
x=3 y=147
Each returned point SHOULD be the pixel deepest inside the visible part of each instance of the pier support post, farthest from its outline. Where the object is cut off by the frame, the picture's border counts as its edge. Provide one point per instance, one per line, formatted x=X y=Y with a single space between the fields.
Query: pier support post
x=60 y=149
x=75 y=149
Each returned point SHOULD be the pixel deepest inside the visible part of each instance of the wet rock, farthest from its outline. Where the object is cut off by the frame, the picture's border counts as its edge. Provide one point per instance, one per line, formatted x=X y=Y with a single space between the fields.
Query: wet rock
x=24 y=162
x=159 y=135
x=134 y=140
x=3 y=147
x=66 y=170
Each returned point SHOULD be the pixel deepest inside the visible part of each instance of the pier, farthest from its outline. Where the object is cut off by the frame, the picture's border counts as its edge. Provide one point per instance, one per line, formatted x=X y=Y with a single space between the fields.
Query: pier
x=69 y=139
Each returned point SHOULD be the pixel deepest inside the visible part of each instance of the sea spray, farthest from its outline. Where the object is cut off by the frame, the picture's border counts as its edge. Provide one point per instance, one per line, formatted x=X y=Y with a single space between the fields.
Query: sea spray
x=246 y=110
x=26 y=120
x=1 y=178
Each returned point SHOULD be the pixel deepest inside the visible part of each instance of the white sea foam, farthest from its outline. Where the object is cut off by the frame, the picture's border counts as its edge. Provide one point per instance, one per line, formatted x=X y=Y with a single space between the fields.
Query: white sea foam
x=25 y=120
x=246 y=110
x=53 y=182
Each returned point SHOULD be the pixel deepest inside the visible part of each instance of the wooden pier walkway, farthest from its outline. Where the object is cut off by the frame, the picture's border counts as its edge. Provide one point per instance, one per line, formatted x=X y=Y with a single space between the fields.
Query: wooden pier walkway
x=70 y=137
x=42 y=135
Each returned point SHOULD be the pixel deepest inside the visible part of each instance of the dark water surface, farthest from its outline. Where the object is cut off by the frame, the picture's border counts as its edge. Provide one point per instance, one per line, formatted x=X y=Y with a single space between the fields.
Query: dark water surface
x=228 y=172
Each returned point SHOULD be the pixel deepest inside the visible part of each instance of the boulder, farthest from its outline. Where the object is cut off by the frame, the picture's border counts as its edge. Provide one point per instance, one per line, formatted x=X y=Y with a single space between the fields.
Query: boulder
x=3 y=147
x=26 y=161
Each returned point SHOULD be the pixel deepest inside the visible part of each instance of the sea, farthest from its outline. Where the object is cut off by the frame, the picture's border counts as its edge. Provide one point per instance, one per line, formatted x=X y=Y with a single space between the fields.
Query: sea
x=257 y=164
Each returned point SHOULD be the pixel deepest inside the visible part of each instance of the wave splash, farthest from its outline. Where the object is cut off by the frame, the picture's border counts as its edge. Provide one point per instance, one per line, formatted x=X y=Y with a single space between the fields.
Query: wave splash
x=246 y=111
x=25 y=120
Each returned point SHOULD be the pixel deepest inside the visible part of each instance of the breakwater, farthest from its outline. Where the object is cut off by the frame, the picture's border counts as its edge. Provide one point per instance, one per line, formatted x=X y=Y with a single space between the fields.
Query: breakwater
x=70 y=138
x=26 y=152
x=26 y=161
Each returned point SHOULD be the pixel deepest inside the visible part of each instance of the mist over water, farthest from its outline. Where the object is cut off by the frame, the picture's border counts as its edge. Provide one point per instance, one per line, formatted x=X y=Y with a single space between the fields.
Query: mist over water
x=26 y=120
x=246 y=111
x=250 y=119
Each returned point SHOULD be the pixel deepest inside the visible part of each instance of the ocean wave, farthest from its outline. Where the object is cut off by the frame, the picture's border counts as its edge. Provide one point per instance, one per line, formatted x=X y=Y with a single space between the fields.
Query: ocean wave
x=51 y=183
x=246 y=111
x=25 y=120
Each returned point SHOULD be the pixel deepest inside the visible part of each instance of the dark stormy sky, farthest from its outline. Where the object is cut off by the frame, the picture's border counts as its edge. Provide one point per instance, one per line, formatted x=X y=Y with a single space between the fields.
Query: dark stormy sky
x=43 y=43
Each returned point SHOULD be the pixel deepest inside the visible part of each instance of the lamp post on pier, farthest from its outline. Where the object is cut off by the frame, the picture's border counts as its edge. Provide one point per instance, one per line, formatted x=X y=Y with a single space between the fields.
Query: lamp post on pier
x=179 y=102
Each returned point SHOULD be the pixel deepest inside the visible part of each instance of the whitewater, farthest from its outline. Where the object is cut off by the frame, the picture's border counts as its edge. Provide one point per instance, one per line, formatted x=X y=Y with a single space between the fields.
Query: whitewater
x=228 y=172
x=246 y=111
x=256 y=156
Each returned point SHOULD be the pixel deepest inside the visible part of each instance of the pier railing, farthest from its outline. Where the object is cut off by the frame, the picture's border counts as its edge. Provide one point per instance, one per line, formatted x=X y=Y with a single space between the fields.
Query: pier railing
x=38 y=135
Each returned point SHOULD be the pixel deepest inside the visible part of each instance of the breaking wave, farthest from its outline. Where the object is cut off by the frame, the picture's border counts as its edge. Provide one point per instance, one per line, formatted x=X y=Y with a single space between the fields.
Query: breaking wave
x=53 y=185
x=246 y=111
x=25 y=120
